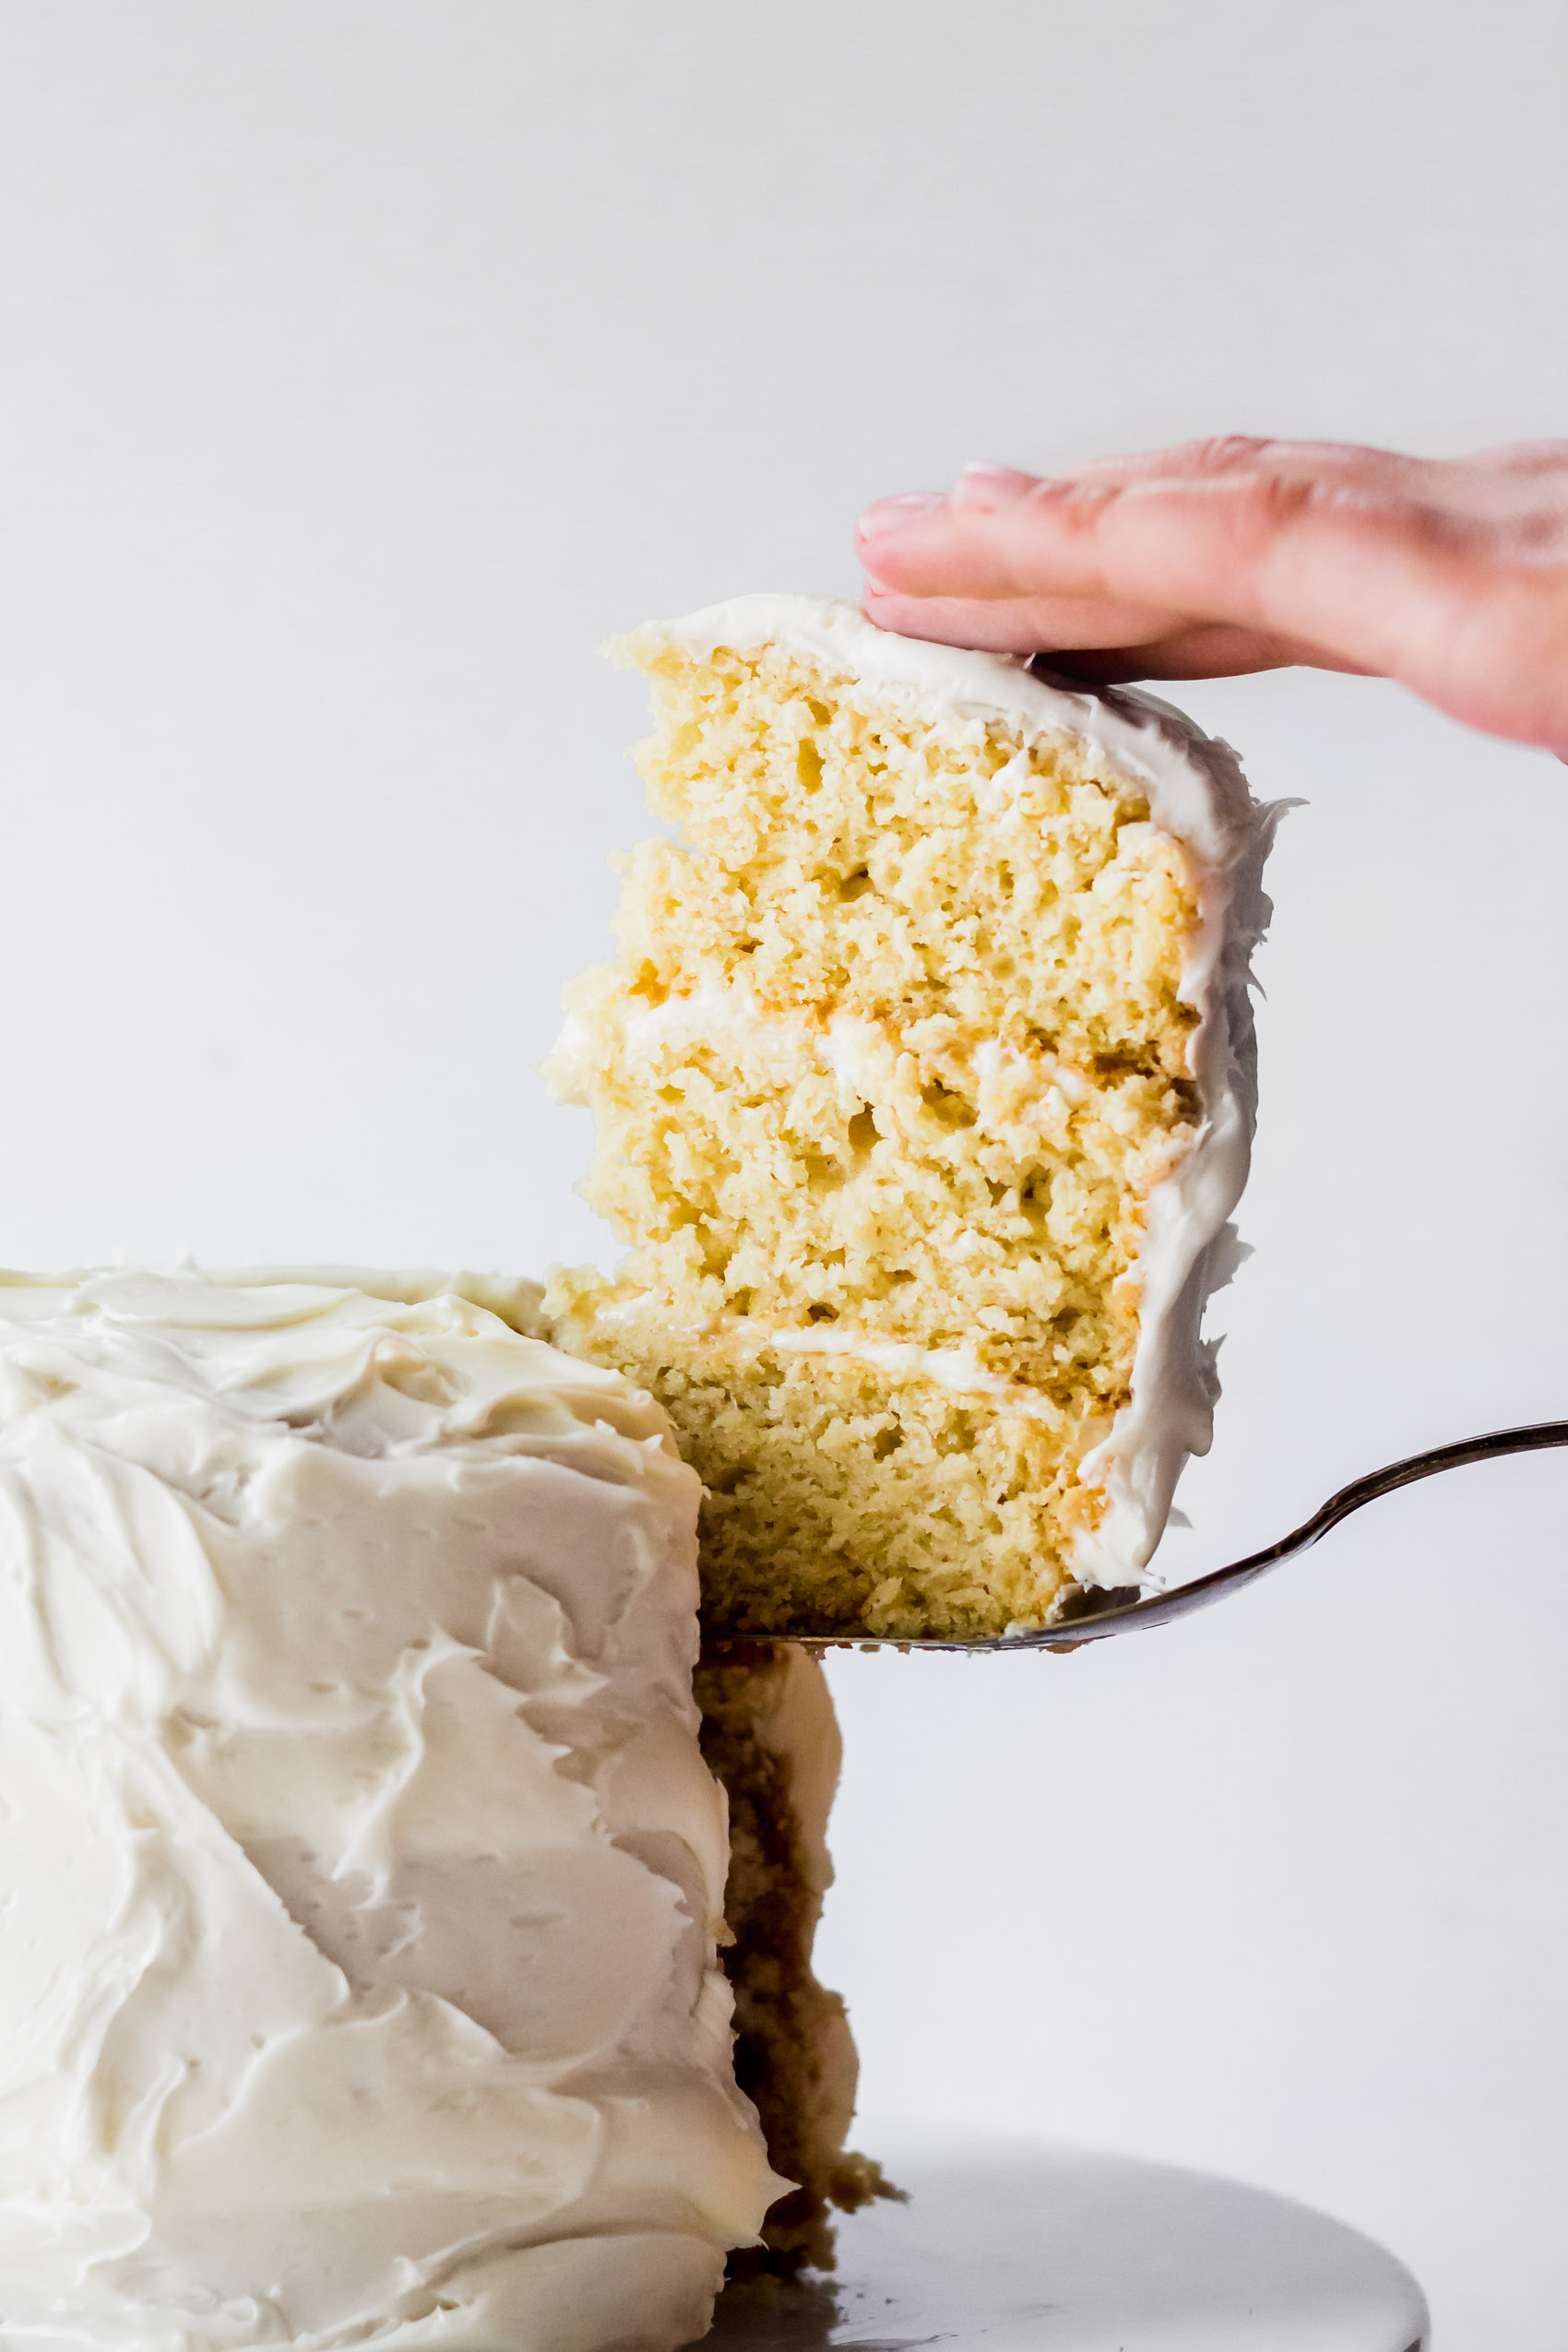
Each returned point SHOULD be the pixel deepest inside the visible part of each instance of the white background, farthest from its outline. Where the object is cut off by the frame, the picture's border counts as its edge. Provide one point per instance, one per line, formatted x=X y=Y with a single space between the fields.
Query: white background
x=363 y=366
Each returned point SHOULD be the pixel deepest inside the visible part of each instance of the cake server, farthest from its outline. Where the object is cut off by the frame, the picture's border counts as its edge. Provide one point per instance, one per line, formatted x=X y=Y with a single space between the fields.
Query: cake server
x=1098 y=1614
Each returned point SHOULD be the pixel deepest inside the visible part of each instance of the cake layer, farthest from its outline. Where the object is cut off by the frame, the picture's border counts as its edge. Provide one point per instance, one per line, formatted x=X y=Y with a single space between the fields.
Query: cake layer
x=359 y=1953
x=836 y=844
x=922 y=1090
x=894 y=1183
x=893 y=1490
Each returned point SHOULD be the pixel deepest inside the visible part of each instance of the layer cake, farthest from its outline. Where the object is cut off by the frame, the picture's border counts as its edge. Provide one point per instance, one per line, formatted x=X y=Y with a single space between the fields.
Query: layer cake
x=364 y=1880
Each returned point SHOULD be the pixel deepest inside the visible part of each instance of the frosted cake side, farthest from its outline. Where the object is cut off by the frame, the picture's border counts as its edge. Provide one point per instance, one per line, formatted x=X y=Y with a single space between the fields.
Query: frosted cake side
x=359 y=1969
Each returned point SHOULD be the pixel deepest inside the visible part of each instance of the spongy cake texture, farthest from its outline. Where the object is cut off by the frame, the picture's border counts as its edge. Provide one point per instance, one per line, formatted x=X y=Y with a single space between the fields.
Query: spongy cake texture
x=898 y=1047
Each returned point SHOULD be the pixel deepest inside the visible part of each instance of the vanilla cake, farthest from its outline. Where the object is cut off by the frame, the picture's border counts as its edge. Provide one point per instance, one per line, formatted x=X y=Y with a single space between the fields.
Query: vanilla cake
x=363 y=1877
x=924 y=1089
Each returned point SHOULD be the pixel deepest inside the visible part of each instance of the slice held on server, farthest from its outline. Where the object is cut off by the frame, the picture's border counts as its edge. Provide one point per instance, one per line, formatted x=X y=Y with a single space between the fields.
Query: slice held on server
x=923 y=1088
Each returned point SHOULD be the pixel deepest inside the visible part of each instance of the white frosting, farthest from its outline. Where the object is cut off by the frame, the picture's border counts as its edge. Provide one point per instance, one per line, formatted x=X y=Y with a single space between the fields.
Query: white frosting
x=360 y=1873
x=1197 y=794
x=955 y=1368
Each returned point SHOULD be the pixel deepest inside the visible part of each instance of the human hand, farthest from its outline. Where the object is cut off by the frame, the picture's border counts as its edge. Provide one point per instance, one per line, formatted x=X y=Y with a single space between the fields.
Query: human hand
x=1233 y=556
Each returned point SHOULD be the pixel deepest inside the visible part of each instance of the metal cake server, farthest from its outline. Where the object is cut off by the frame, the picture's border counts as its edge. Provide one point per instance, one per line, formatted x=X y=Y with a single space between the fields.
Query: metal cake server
x=1098 y=1615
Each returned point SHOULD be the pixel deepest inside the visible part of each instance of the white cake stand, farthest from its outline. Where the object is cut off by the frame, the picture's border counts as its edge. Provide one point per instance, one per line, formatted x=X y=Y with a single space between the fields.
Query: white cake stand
x=1014 y=2247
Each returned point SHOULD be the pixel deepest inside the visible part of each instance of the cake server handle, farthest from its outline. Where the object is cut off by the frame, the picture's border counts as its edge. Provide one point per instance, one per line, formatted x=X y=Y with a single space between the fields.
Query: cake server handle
x=1102 y=1615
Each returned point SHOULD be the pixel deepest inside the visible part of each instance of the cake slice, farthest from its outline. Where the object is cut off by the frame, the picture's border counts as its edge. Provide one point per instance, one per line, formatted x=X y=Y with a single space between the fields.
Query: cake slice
x=923 y=1088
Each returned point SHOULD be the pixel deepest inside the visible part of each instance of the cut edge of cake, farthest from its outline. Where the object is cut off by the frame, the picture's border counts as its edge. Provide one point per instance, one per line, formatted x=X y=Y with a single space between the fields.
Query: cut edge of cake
x=770 y=1738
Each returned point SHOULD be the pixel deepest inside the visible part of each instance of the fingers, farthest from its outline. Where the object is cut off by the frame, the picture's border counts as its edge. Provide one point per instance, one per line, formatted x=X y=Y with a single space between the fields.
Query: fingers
x=1104 y=644
x=1238 y=554
x=1014 y=624
x=1199 y=652
x=1217 y=533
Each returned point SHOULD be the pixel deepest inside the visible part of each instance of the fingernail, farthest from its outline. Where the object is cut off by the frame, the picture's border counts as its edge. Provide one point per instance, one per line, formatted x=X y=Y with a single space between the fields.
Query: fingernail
x=875 y=586
x=982 y=484
x=885 y=517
